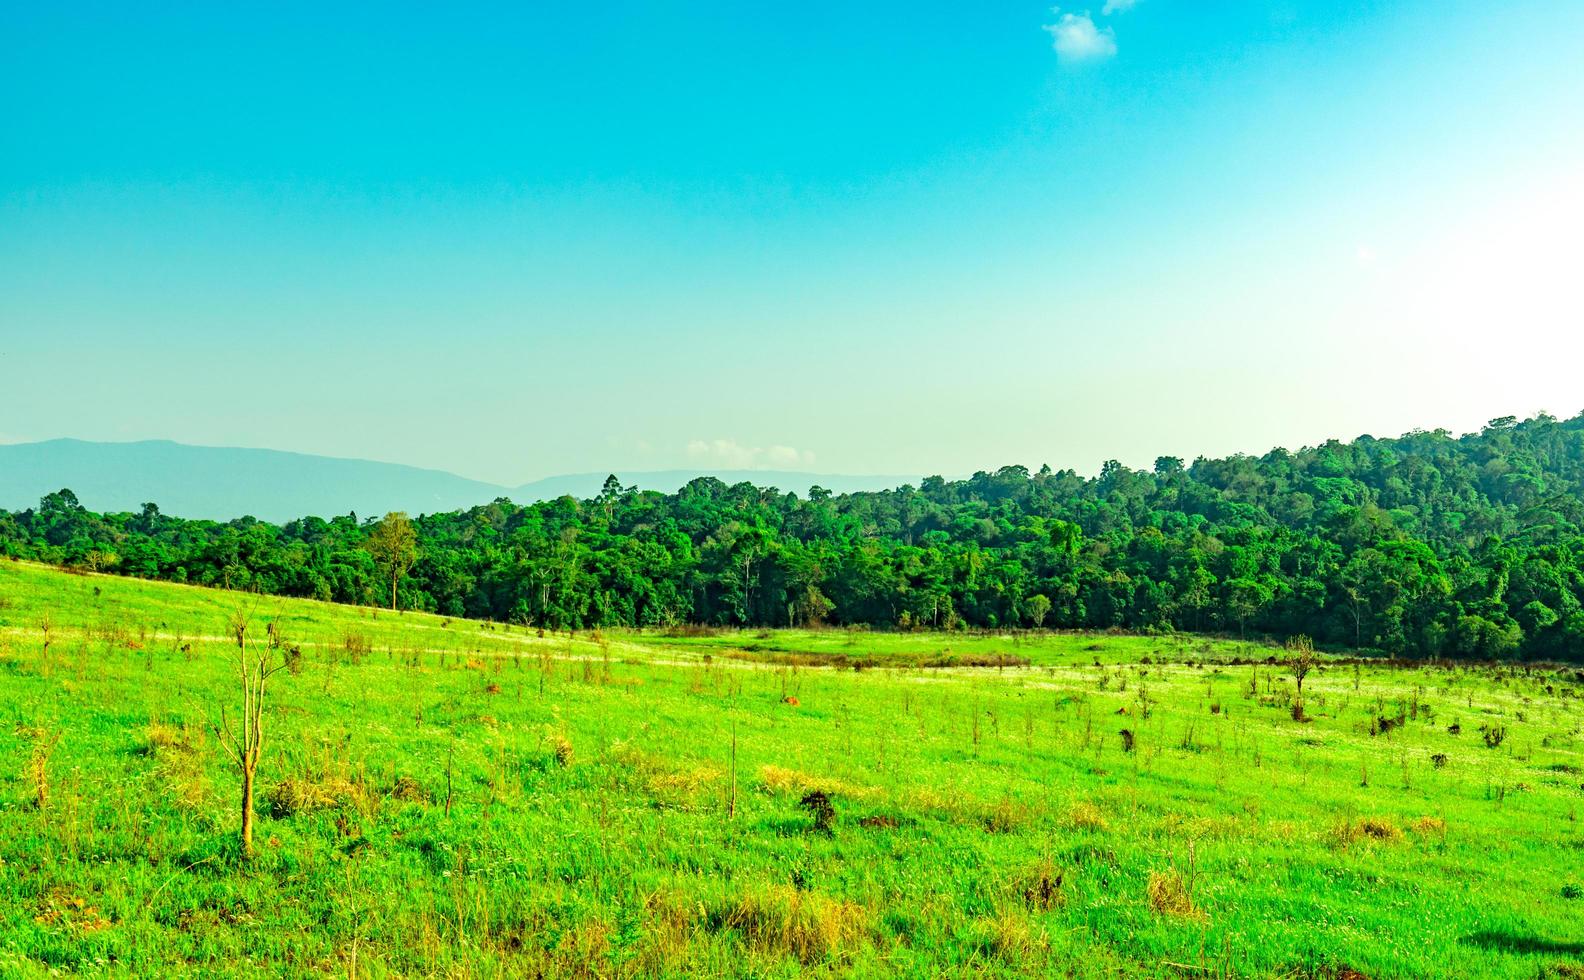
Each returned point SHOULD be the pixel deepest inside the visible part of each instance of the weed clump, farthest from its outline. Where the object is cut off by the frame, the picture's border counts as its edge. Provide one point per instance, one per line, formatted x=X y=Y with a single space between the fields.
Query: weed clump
x=356 y=646
x=1006 y=817
x=1040 y=887
x=1426 y=826
x=669 y=784
x=294 y=796
x=1085 y=816
x=161 y=738
x=44 y=744
x=408 y=790
x=561 y=750
x=818 y=804
x=178 y=751
x=1008 y=937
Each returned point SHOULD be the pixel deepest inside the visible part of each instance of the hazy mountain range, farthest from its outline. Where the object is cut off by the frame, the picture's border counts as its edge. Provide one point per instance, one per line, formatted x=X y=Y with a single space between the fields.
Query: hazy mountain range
x=222 y=483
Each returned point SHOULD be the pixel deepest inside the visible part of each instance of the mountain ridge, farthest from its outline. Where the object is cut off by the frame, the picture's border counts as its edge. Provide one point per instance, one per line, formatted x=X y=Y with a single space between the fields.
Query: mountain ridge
x=228 y=482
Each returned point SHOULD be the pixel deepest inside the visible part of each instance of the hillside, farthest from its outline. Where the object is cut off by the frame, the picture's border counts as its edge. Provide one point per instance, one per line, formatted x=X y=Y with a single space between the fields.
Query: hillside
x=444 y=797
x=1427 y=545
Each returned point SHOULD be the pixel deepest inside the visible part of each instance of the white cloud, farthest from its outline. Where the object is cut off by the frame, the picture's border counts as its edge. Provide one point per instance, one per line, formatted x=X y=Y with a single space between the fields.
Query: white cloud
x=732 y=455
x=1076 y=38
x=1117 y=7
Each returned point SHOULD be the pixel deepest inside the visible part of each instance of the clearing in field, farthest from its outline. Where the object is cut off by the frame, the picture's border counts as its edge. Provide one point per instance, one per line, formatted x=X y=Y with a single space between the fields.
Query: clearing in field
x=455 y=798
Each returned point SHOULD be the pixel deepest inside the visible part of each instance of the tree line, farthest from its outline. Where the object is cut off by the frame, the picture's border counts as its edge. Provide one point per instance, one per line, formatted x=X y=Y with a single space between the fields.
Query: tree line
x=1427 y=545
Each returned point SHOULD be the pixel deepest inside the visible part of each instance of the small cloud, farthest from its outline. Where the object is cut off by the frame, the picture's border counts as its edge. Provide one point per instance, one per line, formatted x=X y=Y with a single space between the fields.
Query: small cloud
x=1117 y=7
x=1076 y=38
x=732 y=455
x=1365 y=255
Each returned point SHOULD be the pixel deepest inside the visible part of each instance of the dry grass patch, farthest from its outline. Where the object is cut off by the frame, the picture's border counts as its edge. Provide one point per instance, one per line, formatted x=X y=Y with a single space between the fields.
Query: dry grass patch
x=667 y=783
x=584 y=950
x=163 y=738
x=935 y=803
x=1170 y=895
x=670 y=924
x=307 y=793
x=179 y=751
x=66 y=912
x=1084 y=815
x=1202 y=828
x=408 y=790
x=781 y=920
x=1006 y=817
x=561 y=750
x=779 y=781
x=1429 y=826
x=1366 y=829
x=1009 y=937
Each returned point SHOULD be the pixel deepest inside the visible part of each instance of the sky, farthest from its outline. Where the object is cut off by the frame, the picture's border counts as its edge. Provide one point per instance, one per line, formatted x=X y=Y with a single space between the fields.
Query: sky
x=520 y=240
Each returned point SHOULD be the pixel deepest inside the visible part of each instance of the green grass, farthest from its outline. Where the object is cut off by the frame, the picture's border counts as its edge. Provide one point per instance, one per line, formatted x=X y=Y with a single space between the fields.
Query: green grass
x=987 y=821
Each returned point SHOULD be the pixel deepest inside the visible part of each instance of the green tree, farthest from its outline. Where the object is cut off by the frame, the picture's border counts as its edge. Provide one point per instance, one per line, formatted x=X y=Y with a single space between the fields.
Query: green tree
x=1038 y=606
x=394 y=545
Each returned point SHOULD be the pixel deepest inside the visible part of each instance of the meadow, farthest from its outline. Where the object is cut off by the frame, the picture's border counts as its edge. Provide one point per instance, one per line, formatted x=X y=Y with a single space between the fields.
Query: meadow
x=452 y=798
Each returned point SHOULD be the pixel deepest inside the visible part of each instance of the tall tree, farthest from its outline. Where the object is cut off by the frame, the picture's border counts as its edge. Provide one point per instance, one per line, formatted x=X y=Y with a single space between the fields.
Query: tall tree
x=394 y=545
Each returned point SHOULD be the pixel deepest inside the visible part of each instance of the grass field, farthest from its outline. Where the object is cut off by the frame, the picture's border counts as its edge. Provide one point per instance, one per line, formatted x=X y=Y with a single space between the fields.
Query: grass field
x=450 y=798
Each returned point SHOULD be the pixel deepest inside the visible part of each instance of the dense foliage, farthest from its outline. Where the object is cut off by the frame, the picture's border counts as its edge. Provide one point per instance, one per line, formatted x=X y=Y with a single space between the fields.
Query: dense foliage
x=1426 y=545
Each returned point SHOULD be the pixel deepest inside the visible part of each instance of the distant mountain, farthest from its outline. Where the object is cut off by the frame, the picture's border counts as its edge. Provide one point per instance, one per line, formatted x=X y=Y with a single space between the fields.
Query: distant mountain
x=221 y=483
x=208 y=482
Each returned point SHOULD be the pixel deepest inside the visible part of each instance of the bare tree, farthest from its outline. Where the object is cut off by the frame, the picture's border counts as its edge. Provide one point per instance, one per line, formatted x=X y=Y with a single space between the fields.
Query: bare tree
x=48 y=629
x=245 y=742
x=1300 y=659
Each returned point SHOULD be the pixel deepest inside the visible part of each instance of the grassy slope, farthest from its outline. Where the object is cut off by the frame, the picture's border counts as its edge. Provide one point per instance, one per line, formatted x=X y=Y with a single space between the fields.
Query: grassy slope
x=625 y=861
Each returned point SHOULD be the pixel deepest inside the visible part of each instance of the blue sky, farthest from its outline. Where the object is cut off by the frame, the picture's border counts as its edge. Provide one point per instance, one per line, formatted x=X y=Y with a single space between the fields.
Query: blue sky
x=520 y=240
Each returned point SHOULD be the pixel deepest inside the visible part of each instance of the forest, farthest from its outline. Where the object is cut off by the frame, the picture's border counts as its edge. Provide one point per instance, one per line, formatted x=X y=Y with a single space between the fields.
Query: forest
x=1426 y=546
